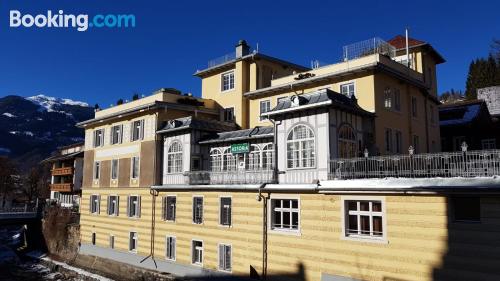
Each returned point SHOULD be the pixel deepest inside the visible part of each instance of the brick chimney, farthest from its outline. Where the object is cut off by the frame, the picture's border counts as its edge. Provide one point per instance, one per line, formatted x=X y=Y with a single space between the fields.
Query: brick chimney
x=242 y=49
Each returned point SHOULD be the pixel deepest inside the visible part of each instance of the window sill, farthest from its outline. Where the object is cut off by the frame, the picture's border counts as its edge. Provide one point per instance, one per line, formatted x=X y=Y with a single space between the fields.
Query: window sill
x=225 y=225
x=168 y=221
x=225 y=270
x=197 y=264
x=285 y=232
x=368 y=239
x=227 y=91
x=295 y=169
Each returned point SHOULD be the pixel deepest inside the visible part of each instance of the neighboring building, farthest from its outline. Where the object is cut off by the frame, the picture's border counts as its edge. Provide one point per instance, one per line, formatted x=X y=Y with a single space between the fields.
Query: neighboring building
x=249 y=181
x=491 y=96
x=469 y=122
x=67 y=175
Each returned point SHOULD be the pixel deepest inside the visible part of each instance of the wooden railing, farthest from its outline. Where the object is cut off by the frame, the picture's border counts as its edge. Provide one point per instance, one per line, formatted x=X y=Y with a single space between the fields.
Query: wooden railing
x=61 y=187
x=62 y=171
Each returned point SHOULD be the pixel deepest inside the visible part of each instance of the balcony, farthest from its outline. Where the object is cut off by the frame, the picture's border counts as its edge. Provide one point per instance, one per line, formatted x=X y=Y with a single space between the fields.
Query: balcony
x=61 y=187
x=230 y=177
x=65 y=171
x=468 y=164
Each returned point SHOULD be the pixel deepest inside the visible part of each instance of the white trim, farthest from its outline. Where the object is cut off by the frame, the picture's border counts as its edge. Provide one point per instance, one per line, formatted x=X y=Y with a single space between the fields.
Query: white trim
x=218 y=257
x=164 y=198
x=117 y=205
x=175 y=247
x=202 y=252
x=296 y=232
x=132 y=167
x=138 y=206
x=231 y=213
x=221 y=81
x=136 y=241
x=315 y=152
x=346 y=83
x=343 y=235
x=203 y=210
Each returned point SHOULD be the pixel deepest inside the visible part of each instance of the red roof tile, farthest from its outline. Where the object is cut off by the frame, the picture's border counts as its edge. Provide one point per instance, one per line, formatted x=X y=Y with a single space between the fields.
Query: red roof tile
x=399 y=42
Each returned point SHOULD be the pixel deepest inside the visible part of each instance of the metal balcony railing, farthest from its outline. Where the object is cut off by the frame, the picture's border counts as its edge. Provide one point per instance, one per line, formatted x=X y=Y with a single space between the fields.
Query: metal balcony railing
x=231 y=177
x=222 y=59
x=480 y=163
x=368 y=47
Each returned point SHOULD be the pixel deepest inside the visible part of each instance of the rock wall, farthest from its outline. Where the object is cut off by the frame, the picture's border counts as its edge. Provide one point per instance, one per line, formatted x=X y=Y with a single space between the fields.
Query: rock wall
x=61 y=232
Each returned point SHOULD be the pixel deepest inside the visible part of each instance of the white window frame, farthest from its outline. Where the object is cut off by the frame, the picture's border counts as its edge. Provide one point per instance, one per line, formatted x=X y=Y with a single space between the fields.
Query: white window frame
x=165 y=208
x=363 y=238
x=136 y=243
x=175 y=158
x=388 y=99
x=100 y=138
x=225 y=269
x=141 y=130
x=488 y=144
x=228 y=73
x=137 y=211
x=173 y=256
x=267 y=105
x=271 y=210
x=301 y=149
x=97 y=202
x=96 y=175
x=114 y=212
x=119 y=139
x=116 y=169
x=202 y=252
x=230 y=211
x=135 y=159
x=202 y=209
x=346 y=85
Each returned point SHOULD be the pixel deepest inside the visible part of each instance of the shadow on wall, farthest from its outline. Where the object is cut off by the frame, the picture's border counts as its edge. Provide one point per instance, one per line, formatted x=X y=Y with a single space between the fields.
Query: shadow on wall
x=298 y=275
x=473 y=243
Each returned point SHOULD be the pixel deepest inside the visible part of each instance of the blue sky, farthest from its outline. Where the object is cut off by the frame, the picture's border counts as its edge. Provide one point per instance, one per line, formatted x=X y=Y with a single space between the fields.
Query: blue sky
x=174 y=38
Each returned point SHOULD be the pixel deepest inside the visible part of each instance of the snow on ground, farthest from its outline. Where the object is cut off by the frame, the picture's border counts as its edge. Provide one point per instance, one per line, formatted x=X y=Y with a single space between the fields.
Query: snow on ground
x=10 y=115
x=14 y=132
x=4 y=150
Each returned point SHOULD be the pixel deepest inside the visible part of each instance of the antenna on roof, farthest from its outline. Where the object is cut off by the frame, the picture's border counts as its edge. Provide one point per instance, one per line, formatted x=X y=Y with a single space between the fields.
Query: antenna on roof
x=407 y=49
x=257 y=47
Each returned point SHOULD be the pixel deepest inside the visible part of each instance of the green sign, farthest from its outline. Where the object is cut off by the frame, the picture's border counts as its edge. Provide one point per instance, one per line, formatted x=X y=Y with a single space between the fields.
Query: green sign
x=240 y=148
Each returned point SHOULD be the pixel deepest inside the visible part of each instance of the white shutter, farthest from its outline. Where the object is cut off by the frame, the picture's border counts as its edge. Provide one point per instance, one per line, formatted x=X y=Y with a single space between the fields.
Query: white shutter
x=221 y=256
x=117 y=205
x=138 y=206
x=163 y=208
x=227 y=255
x=98 y=204
x=172 y=249
x=141 y=131
x=91 y=203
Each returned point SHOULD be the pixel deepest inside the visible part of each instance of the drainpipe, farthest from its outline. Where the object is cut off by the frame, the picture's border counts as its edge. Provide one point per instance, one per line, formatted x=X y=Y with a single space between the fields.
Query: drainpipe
x=262 y=198
x=275 y=148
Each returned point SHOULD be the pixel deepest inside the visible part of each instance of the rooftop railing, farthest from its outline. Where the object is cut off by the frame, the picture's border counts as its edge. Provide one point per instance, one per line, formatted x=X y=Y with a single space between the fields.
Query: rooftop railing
x=222 y=59
x=368 y=47
x=480 y=163
x=259 y=176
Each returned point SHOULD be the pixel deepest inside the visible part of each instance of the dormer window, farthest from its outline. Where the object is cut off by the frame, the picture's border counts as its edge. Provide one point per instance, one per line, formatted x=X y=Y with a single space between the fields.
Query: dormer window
x=227 y=81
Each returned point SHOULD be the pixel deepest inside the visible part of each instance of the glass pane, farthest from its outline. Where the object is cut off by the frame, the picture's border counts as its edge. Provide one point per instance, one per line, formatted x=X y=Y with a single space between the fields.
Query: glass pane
x=286 y=219
x=377 y=207
x=295 y=220
x=352 y=206
x=295 y=204
x=364 y=205
x=352 y=225
x=377 y=226
x=277 y=219
x=286 y=203
x=365 y=225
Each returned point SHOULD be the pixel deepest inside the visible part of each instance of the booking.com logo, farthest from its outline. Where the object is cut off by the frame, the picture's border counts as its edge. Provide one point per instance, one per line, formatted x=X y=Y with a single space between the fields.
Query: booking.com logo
x=61 y=20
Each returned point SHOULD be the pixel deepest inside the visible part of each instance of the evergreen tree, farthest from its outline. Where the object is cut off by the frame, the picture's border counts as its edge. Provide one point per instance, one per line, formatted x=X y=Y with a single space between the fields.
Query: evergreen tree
x=135 y=97
x=471 y=83
x=96 y=106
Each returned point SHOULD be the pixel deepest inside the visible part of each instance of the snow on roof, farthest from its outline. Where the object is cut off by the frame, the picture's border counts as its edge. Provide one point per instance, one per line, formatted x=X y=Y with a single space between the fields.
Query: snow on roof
x=460 y=114
x=411 y=183
x=10 y=115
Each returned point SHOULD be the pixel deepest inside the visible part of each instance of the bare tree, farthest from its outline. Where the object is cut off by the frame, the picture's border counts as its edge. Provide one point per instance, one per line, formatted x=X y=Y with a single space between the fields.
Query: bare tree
x=7 y=184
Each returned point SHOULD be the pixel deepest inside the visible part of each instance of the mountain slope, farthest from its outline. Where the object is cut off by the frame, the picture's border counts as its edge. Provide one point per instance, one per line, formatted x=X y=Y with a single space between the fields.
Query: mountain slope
x=31 y=128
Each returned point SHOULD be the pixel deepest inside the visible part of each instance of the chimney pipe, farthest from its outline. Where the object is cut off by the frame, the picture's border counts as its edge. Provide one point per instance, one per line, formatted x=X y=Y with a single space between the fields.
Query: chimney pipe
x=242 y=49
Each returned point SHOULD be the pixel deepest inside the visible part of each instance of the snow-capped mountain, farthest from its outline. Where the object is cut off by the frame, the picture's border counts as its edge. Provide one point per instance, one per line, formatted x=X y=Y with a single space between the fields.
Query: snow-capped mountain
x=31 y=128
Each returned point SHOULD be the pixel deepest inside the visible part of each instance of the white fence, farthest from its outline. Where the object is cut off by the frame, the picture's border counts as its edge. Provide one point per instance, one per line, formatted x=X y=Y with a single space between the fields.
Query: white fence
x=231 y=177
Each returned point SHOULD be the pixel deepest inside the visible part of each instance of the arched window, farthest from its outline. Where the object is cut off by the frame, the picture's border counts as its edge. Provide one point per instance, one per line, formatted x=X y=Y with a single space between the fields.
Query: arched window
x=300 y=148
x=267 y=157
x=216 y=156
x=174 y=158
x=348 y=147
x=229 y=160
x=254 y=157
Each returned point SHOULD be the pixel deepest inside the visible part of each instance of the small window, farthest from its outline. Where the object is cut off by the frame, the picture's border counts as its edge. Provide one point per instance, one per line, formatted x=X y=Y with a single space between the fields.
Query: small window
x=132 y=244
x=265 y=106
x=134 y=206
x=169 y=208
x=416 y=144
x=225 y=211
x=285 y=214
x=225 y=257
x=364 y=219
x=195 y=163
x=94 y=204
x=388 y=98
x=93 y=238
x=98 y=138
x=388 y=140
x=114 y=169
x=347 y=89
x=198 y=210
x=466 y=209
x=397 y=100
x=97 y=170
x=135 y=167
x=116 y=134
x=414 y=108
x=137 y=130
x=488 y=144
x=227 y=81
x=113 y=205
x=197 y=252
x=170 y=248
x=229 y=114
x=112 y=241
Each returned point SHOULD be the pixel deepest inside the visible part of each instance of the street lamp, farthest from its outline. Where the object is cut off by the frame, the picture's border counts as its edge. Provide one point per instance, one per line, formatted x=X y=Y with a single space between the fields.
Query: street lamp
x=365 y=152
x=411 y=150
x=464 y=147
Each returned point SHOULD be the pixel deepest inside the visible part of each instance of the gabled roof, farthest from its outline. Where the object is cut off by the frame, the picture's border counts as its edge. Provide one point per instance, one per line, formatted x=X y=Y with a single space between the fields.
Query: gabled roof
x=247 y=134
x=319 y=98
x=460 y=113
x=59 y=157
x=194 y=123
x=399 y=42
